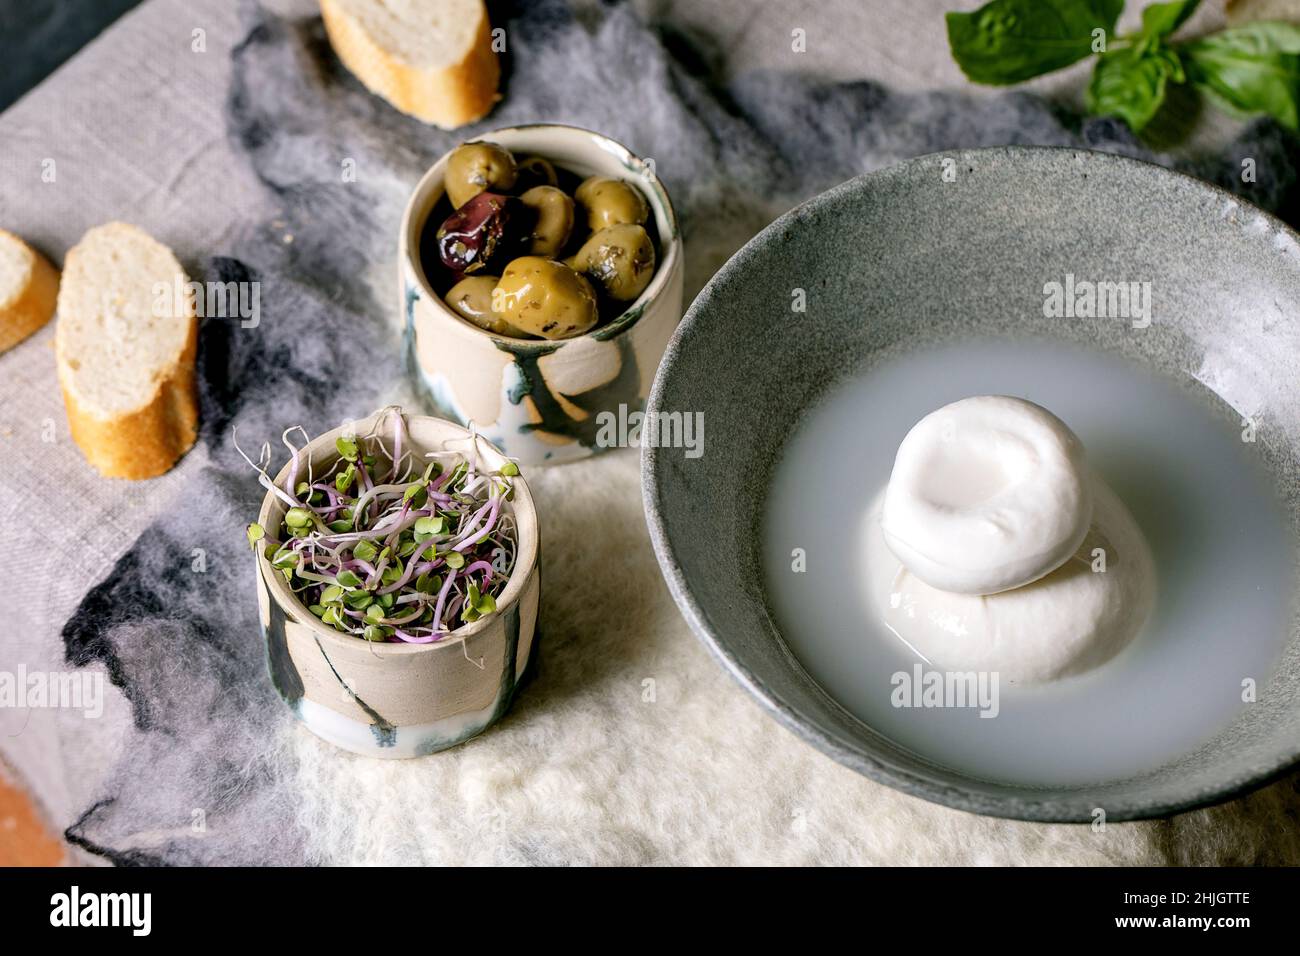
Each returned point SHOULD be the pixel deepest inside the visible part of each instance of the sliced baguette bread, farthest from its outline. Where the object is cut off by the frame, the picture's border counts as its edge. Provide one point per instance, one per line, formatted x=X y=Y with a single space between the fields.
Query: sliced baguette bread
x=29 y=286
x=431 y=59
x=126 y=352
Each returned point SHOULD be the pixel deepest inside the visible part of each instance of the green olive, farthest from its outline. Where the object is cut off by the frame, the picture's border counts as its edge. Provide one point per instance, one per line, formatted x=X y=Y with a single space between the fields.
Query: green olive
x=471 y=297
x=544 y=297
x=620 y=259
x=610 y=202
x=535 y=171
x=553 y=222
x=475 y=167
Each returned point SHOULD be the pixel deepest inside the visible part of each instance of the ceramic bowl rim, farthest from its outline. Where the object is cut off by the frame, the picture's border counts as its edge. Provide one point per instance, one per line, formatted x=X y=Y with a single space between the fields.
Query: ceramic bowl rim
x=408 y=240
x=525 y=557
x=1056 y=805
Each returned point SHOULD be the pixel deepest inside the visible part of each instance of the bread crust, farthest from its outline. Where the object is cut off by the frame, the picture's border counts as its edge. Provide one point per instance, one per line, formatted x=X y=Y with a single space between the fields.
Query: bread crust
x=147 y=442
x=34 y=305
x=448 y=97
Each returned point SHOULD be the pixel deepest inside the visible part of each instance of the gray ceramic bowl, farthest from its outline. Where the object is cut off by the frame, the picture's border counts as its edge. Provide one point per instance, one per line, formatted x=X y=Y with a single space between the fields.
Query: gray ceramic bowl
x=901 y=260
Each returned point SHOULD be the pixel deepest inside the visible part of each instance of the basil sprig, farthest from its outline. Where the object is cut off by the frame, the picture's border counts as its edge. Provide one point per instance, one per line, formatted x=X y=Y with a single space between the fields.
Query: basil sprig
x=1008 y=41
x=1251 y=69
x=1247 y=70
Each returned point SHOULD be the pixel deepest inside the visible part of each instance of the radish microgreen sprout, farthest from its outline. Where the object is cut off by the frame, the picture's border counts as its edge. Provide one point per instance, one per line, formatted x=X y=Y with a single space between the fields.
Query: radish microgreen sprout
x=389 y=545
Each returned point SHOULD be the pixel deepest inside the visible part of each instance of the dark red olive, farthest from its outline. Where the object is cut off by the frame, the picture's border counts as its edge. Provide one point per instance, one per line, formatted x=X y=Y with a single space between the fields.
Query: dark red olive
x=472 y=234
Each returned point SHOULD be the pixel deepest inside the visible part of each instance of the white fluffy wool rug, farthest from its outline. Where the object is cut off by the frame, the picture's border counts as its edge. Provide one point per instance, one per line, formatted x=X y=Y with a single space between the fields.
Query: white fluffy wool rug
x=630 y=745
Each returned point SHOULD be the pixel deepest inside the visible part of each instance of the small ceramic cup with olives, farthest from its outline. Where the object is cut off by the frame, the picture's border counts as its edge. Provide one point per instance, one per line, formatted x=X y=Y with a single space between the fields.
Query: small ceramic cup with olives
x=541 y=278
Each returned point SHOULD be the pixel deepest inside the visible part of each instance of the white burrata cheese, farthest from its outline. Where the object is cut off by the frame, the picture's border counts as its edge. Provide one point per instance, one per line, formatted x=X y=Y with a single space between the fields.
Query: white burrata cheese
x=1067 y=622
x=987 y=494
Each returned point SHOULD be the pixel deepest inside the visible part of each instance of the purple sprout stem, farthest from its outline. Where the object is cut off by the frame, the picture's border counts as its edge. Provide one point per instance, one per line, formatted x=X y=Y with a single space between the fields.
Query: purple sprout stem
x=410 y=567
x=292 y=479
x=485 y=530
x=442 y=602
x=365 y=475
x=397 y=441
x=413 y=615
x=469 y=523
x=410 y=638
x=335 y=502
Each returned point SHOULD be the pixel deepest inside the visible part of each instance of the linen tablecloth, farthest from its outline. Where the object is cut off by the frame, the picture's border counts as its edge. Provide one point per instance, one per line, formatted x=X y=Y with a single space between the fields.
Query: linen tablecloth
x=221 y=128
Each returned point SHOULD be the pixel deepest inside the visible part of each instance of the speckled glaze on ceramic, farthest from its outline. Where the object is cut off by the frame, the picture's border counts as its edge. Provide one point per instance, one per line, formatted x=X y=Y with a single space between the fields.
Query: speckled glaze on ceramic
x=400 y=700
x=903 y=260
x=538 y=400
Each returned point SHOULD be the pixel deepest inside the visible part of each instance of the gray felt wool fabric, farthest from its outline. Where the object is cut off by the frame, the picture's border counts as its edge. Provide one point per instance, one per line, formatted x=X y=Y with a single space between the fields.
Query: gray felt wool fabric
x=630 y=745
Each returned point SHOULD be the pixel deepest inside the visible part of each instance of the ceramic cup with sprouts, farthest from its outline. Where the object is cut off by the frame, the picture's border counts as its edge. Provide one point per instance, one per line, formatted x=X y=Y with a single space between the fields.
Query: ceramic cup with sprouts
x=542 y=401
x=424 y=683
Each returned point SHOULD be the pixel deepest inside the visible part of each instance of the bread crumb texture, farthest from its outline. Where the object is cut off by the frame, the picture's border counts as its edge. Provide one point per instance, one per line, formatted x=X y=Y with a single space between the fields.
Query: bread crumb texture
x=126 y=340
x=431 y=59
x=29 y=286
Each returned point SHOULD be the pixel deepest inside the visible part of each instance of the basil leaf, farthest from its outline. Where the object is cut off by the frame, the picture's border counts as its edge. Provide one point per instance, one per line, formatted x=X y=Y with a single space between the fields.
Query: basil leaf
x=1007 y=41
x=1130 y=83
x=1162 y=19
x=1253 y=68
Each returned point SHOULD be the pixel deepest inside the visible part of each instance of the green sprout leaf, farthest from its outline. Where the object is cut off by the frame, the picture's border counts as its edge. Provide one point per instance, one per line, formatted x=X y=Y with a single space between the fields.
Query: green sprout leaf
x=358 y=600
x=348 y=579
x=374 y=632
x=365 y=550
x=1009 y=41
x=415 y=489
x=285 y=559
x=454 y=559
x=510 y=469
x=344 y=479
x=347 y=447
x=298 y=518
x=255 y=534
x=426 y=528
